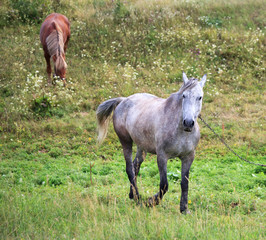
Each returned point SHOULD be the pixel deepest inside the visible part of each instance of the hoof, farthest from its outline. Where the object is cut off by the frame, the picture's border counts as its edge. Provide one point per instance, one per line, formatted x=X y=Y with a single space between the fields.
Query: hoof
x=135 y=197
x=185 y=212
x=131 y=195
x=152 y=201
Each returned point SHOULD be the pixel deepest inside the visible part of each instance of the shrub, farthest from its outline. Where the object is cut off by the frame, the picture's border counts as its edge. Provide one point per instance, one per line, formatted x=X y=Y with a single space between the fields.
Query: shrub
x=28 y=10
x=120 y=12
x=42 y=106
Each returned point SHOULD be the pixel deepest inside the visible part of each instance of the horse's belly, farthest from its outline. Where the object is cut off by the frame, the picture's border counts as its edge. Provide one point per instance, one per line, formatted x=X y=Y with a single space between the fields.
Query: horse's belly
x=144 y=142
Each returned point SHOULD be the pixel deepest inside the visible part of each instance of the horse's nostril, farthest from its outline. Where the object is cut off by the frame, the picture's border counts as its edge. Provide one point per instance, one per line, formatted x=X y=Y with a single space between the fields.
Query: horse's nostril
x=188 y=123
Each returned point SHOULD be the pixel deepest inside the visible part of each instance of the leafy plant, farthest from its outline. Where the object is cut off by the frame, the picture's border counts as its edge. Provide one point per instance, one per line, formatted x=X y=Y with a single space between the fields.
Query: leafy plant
x=42 y=106
x=174 y=176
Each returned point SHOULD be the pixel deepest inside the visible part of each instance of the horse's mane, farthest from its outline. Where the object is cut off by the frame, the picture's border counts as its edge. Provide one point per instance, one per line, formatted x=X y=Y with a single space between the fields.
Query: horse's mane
x=55 y=46
x=190 y=84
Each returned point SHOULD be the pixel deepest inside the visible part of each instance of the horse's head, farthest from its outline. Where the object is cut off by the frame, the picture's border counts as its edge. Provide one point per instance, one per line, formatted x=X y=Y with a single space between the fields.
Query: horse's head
x=60 y=66
x=192 y=101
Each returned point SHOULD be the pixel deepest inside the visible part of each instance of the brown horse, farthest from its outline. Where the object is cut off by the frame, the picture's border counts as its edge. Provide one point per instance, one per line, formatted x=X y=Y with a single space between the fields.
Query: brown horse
x=54 y=35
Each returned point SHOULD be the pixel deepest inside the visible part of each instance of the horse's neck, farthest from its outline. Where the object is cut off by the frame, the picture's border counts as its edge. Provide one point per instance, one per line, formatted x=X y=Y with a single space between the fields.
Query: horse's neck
x=173 y=107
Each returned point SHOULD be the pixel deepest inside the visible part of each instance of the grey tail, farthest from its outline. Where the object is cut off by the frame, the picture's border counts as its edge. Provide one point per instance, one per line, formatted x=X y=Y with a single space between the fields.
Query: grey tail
x=103 y=114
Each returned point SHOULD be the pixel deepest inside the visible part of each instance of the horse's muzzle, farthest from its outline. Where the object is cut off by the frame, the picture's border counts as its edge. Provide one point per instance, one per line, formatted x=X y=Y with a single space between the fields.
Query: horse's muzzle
x=188 y=125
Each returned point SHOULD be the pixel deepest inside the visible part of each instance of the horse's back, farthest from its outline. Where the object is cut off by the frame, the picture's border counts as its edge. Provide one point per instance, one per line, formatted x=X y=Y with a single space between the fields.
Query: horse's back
x=50 y=23
x=137 y=117
x=139 y=103
x=60 y=19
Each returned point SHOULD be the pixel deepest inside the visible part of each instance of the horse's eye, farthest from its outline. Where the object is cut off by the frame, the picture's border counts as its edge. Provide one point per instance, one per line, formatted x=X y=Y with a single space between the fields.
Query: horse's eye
x=200 y=98
x=184 y=96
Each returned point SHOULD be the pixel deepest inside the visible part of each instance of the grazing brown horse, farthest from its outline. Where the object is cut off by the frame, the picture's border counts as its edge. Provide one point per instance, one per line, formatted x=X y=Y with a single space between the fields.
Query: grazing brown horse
x=54 y=35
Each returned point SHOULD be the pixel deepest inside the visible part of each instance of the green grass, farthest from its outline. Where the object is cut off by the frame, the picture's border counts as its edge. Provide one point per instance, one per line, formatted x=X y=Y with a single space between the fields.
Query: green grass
x=56 y=183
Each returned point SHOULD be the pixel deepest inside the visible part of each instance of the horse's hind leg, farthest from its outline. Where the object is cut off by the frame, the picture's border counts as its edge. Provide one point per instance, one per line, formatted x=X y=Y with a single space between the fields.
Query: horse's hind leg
x=127 y=149
x=140 y=156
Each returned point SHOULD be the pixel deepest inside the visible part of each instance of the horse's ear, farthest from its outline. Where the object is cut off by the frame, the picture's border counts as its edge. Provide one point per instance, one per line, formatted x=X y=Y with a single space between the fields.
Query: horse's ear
x=203 y=81
x=185 y=79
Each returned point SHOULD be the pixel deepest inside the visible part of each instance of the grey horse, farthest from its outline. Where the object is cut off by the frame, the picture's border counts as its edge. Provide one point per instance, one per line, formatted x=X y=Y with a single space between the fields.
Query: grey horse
x=165 y=127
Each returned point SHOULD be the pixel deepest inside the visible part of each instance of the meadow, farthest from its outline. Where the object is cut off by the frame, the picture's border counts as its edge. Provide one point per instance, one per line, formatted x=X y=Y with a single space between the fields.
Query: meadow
x=57 y=183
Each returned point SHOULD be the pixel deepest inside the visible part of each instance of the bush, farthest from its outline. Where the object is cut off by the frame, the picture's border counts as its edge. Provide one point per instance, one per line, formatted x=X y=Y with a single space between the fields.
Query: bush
x=27 y=11
x=42 y=106
x=120 y=12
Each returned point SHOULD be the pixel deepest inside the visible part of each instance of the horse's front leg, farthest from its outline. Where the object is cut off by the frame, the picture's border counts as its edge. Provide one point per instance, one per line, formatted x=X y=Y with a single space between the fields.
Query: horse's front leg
x=162 y=165
x=66 y=43
x=48 y=69
x=186 y=164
